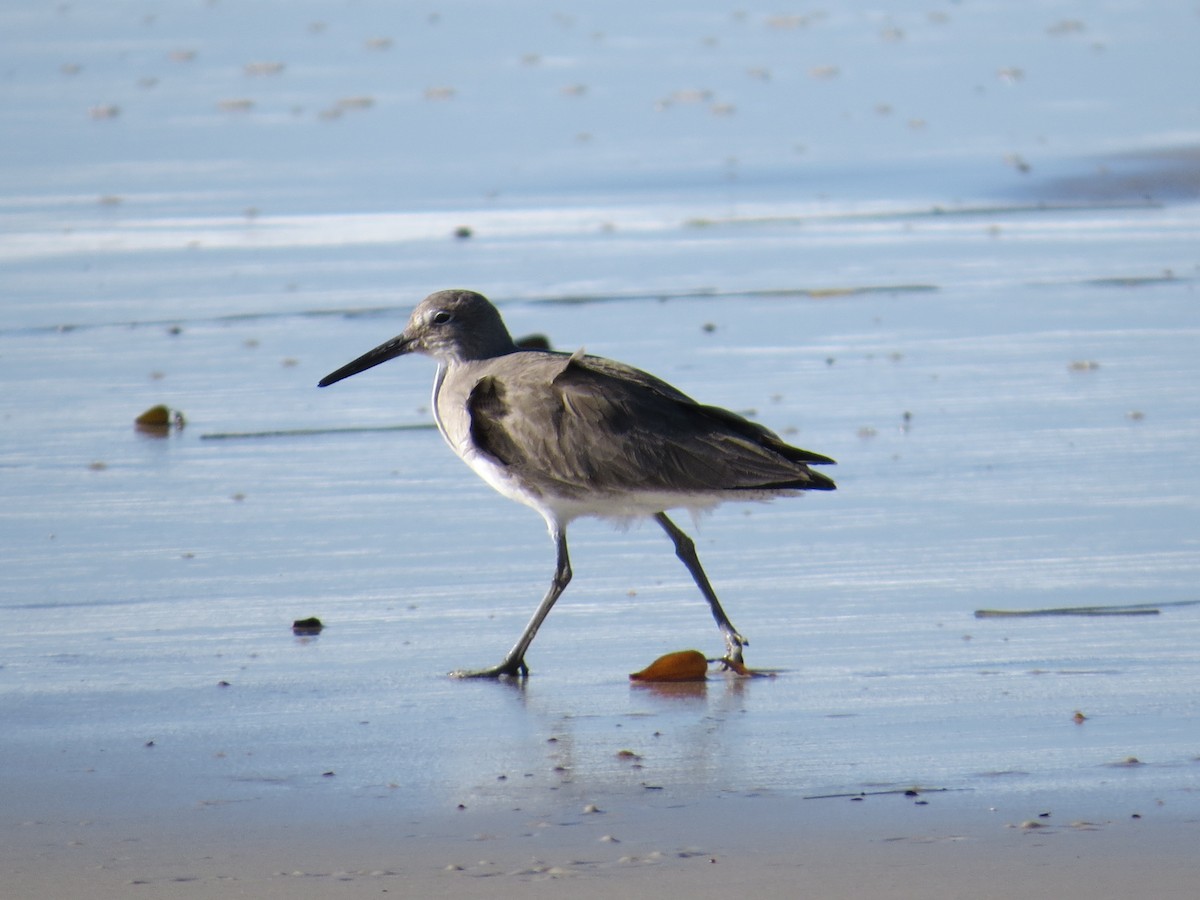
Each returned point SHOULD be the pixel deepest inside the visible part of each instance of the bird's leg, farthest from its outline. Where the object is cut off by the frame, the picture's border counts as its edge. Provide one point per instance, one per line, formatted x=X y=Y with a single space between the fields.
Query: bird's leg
x=513 y=664
x=685 y=549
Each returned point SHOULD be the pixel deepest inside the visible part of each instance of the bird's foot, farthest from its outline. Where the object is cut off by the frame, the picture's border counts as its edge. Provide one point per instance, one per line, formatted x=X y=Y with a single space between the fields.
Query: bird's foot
x=728 y=664
x=734 y=643
x=737 y=667
x=732 y=660
x=510 y=668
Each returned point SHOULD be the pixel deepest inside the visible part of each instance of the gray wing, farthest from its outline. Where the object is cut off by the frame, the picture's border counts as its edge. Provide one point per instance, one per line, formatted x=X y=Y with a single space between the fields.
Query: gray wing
x=579 y=424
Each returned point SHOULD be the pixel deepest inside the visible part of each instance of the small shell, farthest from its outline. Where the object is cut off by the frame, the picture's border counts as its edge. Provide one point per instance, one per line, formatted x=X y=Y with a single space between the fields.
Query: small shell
x=157 y=421
x=684 y=665
x=155 y=417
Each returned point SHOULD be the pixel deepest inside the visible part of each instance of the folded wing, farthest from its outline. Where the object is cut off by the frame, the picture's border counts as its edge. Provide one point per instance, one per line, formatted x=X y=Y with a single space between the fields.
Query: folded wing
x=614 y=428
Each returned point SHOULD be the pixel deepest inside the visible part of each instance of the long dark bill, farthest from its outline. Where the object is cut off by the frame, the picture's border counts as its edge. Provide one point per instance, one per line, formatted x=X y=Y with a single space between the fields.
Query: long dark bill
x=397 y=346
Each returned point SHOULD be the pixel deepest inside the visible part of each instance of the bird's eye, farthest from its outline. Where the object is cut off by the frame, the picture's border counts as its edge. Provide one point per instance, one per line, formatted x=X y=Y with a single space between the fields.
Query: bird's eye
x=441 y=317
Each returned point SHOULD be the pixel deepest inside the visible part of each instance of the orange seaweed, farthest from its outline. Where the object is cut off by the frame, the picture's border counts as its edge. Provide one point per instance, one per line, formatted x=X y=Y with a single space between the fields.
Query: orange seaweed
x=683 y=665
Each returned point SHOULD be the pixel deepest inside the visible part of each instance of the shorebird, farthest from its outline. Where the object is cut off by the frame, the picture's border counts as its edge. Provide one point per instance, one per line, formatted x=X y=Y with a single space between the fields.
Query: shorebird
x=574 y=435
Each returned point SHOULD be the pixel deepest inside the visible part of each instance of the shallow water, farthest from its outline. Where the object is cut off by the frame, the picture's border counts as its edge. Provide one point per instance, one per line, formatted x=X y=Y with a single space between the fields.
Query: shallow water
x=981 y=301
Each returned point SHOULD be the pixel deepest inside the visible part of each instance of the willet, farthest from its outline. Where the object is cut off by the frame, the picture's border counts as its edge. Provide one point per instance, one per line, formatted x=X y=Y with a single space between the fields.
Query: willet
x=572 y=435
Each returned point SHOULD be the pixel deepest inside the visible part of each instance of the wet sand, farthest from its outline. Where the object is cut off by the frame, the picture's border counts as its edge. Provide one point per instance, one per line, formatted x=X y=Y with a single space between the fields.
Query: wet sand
x=892 y=846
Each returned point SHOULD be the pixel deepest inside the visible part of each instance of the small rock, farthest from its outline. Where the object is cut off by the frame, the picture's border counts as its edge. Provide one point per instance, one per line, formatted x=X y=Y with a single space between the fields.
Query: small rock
x=311 y=625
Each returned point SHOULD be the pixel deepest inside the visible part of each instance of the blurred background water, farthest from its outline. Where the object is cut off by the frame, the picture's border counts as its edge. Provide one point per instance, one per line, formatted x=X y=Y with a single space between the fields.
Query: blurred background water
x=952 y=245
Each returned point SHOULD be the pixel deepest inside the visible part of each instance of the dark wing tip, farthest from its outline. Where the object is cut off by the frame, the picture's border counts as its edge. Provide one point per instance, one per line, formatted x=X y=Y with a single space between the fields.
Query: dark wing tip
x=809 y=481
x=820 y=482
x=817 y=459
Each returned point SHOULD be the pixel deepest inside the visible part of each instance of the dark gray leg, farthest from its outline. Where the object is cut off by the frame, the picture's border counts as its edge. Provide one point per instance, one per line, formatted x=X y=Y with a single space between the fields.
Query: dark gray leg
x=685 y=549
x=514 y=663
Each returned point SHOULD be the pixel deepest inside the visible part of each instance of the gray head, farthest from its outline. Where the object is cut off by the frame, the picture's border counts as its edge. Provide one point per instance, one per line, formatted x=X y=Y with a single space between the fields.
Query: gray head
x=452 y=326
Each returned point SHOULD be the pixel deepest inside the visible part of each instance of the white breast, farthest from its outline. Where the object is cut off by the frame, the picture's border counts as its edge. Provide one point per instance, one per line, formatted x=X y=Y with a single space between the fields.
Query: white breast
x=454 y=423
